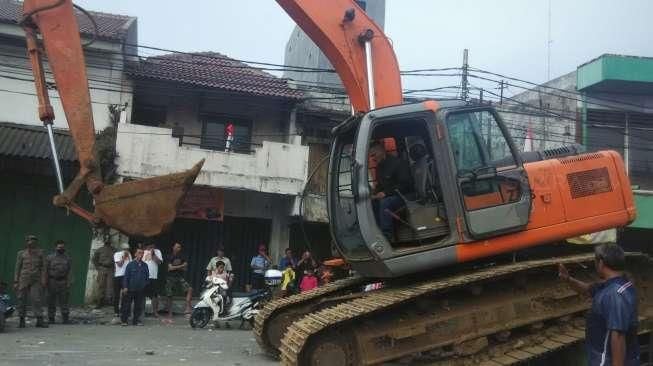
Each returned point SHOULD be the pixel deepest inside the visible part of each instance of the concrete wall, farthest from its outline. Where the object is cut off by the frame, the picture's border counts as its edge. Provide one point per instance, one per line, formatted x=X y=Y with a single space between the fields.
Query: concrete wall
x=273 y=168
x=553 y=128
x=18 y=102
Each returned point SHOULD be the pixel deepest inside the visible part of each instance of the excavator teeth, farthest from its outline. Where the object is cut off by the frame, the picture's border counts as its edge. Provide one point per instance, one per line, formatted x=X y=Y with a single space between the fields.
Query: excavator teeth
x=144 y=207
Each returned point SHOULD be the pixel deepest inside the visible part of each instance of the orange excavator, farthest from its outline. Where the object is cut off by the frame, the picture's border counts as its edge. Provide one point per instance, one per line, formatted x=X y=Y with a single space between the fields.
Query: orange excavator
x=455 y=274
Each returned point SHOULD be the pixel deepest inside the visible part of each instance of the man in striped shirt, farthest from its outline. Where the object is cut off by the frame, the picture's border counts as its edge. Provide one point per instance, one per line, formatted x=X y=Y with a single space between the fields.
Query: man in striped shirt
x=611 y=330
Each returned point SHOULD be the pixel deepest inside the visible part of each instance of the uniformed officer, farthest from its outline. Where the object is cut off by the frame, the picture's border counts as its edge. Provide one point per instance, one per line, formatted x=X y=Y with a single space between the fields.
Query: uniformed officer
x=59 y=271
x=611 y=330
x=103 y=262
x=29 y=280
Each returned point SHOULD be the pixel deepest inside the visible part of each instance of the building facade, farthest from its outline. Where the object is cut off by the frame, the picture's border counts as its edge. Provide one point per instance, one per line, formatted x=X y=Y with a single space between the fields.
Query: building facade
x=189 y=107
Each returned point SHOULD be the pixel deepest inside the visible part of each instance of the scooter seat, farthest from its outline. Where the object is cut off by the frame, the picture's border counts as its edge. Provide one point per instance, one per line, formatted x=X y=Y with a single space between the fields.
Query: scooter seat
x=250 y=294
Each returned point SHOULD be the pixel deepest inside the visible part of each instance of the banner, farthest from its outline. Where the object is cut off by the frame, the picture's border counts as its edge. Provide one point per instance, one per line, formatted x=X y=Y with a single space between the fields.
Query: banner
x=202 y=203
x=605 y=236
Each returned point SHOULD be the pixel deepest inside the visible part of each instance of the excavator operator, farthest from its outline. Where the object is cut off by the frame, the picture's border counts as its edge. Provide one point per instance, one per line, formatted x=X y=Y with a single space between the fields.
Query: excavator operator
x=392 y=175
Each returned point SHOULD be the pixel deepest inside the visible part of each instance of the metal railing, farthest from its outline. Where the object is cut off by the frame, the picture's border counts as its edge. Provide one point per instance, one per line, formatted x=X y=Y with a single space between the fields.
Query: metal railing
x=237 y=144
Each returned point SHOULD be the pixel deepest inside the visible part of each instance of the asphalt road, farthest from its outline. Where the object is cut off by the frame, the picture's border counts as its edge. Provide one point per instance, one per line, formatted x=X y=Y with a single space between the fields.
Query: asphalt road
x=155 y=343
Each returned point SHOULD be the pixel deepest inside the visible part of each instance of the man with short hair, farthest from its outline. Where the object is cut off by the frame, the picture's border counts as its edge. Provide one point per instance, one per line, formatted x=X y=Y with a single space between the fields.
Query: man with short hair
x=29 y=280
x=259 y=264
x=211 y=267
x=175 y=282
x=120 y=259
x=58 y=266
x=392 y=176
x=153 y=257
x=103 y=262
x=134 y=281
x=288 y=260
x=611 y=330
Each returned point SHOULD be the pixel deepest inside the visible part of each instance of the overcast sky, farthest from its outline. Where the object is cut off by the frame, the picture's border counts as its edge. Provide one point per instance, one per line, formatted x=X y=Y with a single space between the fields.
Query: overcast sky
x=507 y=36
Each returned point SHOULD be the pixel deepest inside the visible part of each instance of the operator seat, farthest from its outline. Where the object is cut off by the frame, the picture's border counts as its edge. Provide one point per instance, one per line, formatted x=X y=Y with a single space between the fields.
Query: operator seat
x=424 y=213
x=422 y=175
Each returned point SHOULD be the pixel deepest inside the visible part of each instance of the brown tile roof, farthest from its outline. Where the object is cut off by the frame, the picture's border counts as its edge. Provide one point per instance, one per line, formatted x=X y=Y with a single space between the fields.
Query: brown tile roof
x=110 y=26
x=213 y=70
x=23 y=141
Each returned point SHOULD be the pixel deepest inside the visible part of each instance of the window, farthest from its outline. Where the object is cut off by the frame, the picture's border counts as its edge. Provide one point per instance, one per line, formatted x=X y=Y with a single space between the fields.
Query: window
x=478 y=142
x=215 y=136
x=149 y=115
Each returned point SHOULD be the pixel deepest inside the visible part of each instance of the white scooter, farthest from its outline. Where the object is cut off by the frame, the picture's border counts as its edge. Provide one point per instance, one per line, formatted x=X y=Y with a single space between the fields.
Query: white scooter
x=214 y=305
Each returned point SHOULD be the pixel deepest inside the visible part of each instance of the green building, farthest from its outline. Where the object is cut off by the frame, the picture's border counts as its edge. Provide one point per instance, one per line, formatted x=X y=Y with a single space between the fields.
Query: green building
x=617 y=113
x=27 y=185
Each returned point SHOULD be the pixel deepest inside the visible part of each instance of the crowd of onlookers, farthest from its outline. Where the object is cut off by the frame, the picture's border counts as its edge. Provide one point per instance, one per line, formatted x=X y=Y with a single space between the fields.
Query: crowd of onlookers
x=128 y=276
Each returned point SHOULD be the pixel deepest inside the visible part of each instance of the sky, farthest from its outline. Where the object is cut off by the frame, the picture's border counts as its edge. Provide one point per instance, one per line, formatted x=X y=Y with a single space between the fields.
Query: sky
x=504 y=36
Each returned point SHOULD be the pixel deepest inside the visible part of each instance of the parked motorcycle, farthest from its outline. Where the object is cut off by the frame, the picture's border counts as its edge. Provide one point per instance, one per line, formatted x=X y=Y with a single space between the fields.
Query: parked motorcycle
x=214 y=305
x=6 y=306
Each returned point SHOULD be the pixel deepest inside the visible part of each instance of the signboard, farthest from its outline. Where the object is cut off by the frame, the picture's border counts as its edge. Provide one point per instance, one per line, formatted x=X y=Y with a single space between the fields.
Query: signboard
x=202 y=203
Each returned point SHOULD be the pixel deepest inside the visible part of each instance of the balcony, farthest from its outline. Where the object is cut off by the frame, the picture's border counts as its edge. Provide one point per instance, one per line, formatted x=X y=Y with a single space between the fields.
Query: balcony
x=271 y=167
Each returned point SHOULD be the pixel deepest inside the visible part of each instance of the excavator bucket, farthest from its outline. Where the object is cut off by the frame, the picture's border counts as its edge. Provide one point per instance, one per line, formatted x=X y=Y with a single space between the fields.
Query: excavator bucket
x=144 y=207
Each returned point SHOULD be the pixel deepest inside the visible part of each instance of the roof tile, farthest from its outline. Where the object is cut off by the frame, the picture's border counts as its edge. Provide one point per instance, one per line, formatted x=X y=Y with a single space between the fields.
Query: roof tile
x=213 y=70
x=110 y=26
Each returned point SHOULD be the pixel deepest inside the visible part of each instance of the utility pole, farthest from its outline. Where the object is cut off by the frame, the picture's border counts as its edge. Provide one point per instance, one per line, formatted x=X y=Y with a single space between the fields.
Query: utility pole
x=548 y=47
x=464 y=86
x=481 y=98
x=501 y=93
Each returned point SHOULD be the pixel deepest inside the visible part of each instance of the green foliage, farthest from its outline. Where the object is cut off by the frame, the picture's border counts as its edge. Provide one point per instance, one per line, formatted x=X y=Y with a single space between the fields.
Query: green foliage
x=105 y=144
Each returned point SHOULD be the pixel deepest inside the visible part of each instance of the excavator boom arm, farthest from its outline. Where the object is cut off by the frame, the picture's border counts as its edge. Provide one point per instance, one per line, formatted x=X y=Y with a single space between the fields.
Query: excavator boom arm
x=340 y=29
x=139 y=208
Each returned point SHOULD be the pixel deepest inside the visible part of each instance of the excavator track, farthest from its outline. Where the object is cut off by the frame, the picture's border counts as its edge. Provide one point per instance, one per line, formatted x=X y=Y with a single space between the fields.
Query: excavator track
x=271 y=322
x=446 y=314
x=529 y=344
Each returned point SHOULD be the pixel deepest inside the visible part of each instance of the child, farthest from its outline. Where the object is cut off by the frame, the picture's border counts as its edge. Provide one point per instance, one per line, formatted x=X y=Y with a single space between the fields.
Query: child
x=309 y=281
x=287 y=282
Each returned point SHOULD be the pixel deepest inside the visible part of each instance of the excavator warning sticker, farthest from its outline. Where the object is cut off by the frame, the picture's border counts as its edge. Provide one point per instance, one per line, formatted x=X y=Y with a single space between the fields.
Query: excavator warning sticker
x=589 y=182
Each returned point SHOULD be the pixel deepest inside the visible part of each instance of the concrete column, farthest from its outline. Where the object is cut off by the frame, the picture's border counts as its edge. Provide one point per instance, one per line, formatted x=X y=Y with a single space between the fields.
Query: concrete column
x=280 y=232
x=293 y=135
x=96 y=242
x=91 y=275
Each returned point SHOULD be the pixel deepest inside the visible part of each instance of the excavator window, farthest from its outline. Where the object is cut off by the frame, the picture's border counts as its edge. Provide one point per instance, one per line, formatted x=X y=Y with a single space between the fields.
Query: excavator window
x=480 y=150
x=343 y=212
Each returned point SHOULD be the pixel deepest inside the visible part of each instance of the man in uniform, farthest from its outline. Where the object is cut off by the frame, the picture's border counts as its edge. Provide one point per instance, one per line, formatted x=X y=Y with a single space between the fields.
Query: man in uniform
x=29 y=280
x=59 y=270
x=103 y=262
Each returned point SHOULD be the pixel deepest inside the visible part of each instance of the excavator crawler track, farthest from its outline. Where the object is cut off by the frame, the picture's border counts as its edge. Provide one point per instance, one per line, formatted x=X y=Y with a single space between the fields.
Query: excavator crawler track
x=271 y=322
x=448 y=314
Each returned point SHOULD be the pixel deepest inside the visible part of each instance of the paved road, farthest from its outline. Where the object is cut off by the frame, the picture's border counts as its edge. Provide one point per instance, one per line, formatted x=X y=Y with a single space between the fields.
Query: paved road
x=97 y=344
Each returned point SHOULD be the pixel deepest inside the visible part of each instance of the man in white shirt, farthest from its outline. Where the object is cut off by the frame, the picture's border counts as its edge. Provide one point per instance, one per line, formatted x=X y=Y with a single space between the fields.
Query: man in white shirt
x=153 y=257
x=120 y=259
x=211 y=267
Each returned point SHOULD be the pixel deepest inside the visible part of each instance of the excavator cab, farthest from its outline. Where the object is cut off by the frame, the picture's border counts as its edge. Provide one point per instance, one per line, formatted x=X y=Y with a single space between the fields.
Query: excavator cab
x=467 y=183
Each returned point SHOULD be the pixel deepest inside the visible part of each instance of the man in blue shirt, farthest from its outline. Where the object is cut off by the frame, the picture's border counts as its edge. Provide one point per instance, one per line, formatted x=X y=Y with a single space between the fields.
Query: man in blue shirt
x=259 y=264
x=288 y=260
x=611 y=330
x=134 y=281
